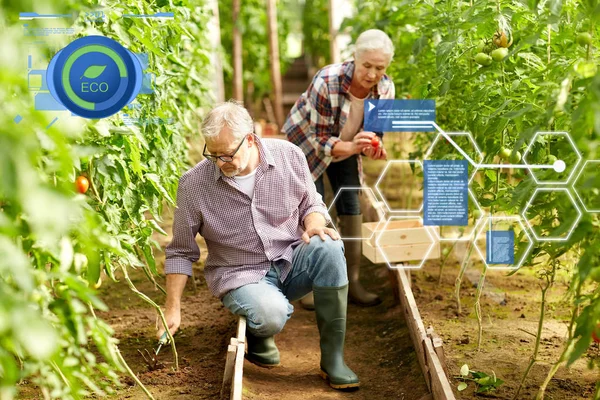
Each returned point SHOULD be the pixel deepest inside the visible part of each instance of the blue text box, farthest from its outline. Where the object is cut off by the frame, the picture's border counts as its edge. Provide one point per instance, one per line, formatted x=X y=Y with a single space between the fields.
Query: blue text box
x=500 y=247
x=399 y=115
x=446 y=196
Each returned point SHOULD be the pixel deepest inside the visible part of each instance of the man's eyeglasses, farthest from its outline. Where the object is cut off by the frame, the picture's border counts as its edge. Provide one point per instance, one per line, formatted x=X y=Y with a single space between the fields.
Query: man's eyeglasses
x=225 y=158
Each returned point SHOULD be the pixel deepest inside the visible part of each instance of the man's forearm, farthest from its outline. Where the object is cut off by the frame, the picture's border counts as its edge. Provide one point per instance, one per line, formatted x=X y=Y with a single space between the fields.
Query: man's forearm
x=314 y=220
x=175 y=285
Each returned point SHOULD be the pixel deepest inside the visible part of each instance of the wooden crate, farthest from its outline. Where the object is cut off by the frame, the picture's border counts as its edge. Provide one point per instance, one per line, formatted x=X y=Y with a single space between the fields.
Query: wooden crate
x=403 y=240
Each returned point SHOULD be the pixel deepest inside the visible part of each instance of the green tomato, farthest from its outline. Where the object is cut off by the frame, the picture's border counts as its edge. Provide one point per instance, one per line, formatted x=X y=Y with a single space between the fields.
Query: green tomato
x=505 y=153
x=500 y=54
x=445 y=251
x=551 y=159
x=476 y=213
x=481 y=46
x=483 y=59
x=584 y=39
x=515 y=158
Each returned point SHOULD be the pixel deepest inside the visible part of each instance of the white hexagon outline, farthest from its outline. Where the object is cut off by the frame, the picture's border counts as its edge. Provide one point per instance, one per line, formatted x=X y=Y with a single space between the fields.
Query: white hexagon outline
x=333 y=203
x=468 y=134
x=552 y=239
x=433 y=241
x=381 y=177
x=525 y=254
x=577 y=153
x=466 y=238
x=575 y=182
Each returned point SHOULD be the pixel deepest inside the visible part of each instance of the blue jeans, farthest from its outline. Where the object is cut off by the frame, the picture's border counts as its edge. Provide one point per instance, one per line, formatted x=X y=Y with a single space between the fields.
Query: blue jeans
x=343 y=174
x=266 y=304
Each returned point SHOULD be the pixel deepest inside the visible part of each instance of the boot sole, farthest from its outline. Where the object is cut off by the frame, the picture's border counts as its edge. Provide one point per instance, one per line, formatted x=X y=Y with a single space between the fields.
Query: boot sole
x=262 y=365
x=342 y=386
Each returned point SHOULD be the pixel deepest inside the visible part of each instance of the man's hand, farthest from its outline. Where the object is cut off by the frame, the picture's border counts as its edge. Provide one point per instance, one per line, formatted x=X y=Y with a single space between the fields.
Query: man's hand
x=321 y=231
x=175 y=286
x=173 y=317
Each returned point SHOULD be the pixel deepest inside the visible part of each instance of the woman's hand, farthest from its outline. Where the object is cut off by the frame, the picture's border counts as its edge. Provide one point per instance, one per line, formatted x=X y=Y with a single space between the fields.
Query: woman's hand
x=376 y=152
x=362 y=141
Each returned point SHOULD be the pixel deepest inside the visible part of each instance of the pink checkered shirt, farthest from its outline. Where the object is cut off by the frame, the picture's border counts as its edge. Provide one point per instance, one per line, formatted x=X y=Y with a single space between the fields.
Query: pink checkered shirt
x=243 y=235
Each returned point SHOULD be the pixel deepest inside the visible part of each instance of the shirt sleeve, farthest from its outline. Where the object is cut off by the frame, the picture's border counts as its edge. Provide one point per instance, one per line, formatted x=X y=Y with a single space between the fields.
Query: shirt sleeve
x=321 y=116
x=311 y=201
x=183 y=250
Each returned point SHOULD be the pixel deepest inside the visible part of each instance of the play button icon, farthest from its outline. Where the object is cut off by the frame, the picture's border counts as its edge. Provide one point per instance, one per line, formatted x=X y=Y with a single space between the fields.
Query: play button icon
x=371 y=106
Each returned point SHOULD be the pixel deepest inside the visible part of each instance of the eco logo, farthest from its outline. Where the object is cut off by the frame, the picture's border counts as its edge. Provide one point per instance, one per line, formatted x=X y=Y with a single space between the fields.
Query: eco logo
x=94 y=77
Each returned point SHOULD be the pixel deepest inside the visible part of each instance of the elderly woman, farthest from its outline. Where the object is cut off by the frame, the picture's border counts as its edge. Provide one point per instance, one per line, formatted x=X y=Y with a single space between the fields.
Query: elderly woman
x=327 y=124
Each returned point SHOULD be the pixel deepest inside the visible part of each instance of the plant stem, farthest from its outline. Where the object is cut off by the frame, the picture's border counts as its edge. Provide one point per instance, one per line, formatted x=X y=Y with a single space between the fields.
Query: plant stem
x=133 y=376
x=459 y=278
x=478 y=306
x=156 y=306
x=444 y=261
x=532 y=360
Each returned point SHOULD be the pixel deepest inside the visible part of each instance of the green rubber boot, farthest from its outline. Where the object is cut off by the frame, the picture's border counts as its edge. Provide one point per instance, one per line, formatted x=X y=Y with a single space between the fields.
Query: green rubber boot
x=330 y=307
x=262 y=351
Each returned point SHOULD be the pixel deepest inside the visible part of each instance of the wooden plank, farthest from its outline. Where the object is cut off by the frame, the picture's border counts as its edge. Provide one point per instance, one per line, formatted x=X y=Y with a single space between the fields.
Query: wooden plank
x=438 y=347
x=415 y=325
x=430 y=364
x=238 y=370
x=228 y=375
x=241 y=329
x=400 y=253
x=397 y=232
x=440 y=386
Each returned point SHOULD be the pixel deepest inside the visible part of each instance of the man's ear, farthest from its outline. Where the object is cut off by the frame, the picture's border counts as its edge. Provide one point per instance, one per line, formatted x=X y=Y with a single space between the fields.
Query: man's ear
x=251 y=140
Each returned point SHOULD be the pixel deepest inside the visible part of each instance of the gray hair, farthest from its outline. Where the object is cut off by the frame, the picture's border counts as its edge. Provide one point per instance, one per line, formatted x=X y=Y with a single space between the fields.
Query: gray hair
x=374 y=39
x=231 y=114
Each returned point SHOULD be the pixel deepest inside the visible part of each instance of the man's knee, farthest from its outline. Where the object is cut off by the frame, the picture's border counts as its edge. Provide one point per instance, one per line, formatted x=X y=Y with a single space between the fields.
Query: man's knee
x=330 y=262
x=269 y=317
x=329 y=250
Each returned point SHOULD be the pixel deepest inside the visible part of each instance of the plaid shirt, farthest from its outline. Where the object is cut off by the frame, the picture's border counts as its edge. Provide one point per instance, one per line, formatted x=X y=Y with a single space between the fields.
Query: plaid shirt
x=243 y=235
x=317 y=118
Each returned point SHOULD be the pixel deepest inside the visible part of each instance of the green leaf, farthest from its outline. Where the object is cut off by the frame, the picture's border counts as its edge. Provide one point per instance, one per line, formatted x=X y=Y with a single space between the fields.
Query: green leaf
x=462 y=386
x=93 y=71
x=155 y=180
x=464 y=370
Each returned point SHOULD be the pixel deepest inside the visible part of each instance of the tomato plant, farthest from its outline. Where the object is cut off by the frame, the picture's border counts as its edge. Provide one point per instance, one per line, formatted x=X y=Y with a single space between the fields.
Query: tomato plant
x=503 y=71
x=55 y=245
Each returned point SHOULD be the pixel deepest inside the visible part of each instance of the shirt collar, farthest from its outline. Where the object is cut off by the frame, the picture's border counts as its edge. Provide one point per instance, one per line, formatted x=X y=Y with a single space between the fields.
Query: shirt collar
x=266 y=159
x=347 y=73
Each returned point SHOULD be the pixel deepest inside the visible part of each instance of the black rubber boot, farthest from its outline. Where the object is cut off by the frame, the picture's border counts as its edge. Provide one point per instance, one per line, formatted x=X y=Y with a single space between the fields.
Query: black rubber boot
x=330 y=308
x=262 y=351
x=350 y=227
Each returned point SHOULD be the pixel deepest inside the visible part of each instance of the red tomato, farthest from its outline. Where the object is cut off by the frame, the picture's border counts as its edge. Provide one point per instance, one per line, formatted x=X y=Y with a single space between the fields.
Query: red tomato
x=595 y=334
x=375 y=142
x=82 y=184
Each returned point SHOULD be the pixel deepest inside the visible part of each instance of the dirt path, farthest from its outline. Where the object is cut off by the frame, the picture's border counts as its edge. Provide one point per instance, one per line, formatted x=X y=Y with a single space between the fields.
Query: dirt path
x=378 y=346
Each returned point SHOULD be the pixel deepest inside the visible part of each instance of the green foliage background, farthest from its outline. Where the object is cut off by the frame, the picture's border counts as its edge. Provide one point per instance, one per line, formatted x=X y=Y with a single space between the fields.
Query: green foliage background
x=54 y=242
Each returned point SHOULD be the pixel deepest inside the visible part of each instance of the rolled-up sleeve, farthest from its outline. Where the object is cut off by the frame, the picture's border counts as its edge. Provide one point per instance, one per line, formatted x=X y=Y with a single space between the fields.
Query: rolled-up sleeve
x=183 y=250
x=311 y=201
x=321 y=116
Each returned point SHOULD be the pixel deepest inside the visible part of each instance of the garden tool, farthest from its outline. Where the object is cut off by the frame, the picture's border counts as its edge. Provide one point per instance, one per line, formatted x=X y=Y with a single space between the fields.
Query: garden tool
x=152 y=360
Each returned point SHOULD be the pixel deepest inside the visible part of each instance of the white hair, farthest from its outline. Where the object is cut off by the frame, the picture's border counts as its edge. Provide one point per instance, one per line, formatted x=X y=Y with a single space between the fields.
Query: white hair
x=374 y=39
x=231 y=114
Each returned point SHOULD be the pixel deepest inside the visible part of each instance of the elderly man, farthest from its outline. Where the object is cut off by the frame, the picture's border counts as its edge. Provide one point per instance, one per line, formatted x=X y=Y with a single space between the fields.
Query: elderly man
x=255 y=204
x=327 y=124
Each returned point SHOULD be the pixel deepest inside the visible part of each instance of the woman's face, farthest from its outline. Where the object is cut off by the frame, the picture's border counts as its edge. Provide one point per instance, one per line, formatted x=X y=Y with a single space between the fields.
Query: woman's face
x=370 y=66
